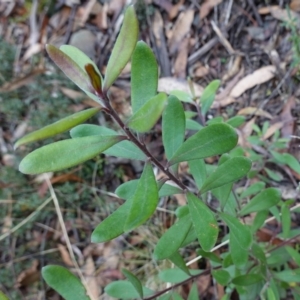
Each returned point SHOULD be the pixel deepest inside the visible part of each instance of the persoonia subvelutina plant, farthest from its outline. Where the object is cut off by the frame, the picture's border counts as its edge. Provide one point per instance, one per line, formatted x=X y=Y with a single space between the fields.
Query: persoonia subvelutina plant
x=243 y=265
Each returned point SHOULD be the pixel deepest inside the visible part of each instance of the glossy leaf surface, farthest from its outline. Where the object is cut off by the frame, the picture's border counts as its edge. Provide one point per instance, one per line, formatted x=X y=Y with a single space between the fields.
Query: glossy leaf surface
x=229 y=171
x=208 y=96
x=123 y=48
x=144 y=76
x=172 y=239
x=144 y=201
x=65 y=154
x=125 y=149
x=134 y=281
x=147 y=116
x=173 y=126
x=57 y=127
x=209 y=141
x=64 y=282
x=204 y=222
x=262 y=201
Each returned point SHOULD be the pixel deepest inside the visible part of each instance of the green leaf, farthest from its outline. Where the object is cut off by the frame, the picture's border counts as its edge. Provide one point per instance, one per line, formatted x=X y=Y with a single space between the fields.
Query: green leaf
x=204 y=222
x=173 y=126
x=192 y=125
x=182 y=96
x=172 y=239
x=179 y=262
x=122 y=289
x=209 y=255
x=294 y=254
x=57 y=127
x=222 y=193
x=144 y=75
x=236 y=121
x=198 y=171
x=240 y=239
x=176 y=275
x=112 y=226
x=288 y=159
x=125 y=149
x=222 y=276
x=3 y=296
x=144 y=200
x=70 y=67
x=208 y=96
x=289 y=275
x=64 y=282
x=209 y=141
x=247 y=279
x=123 y=48
x=230 y=171
x=286 y=221
x=176 y=296
x=262 y=201
x=66 y=154
x=134 y=281
x=258 y=253
x=147 y=116
x=193 y=294
x=253 y=189
x=259 y=220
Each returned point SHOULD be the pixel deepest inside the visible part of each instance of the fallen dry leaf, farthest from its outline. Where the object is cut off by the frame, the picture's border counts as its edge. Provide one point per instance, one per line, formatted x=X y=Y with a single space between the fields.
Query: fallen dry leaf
x=29 y=275
x=233 y=69
x=181 y=28
x=171 y=9
x=33 y=49
x=181 y=59
x=295 y=5
x=168 y=84
x=259 y=76
x=207 y=6
x=66 y=258
x=267 y=9
x=92 y=286
x=250 y=110
x=272 y=129
x=288 y=119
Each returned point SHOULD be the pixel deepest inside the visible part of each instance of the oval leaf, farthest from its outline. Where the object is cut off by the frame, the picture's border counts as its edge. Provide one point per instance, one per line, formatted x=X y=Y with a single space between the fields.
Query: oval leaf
x=125 y=149
x=57 y=127
x=122 y=289
x=263 y=201
x=64 y=282
x=204 y=222
x=144 y=76
x=123 y=48
x=134 y=281
x=66 y=154
x=173 y=126
x=144 y=201
x=179 y=262
x=208 y=96
x=247 y=279
x=146 y=117
x=222 y=276
x=112 y=226
x=229 y=171
x=209 y=141
x=71 y=68
x=172 y=239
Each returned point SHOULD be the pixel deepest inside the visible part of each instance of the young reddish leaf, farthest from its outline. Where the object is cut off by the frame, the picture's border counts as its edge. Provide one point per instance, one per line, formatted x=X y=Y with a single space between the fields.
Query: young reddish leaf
x=147 y=116
x=212 y=140
x=134 y=281
x=94 y=78
x=144 y=75
x=70 y=67
x=65 y=154
x=262 y=201
x=204 y=221
x=230 y=171
x=173 y=126
x=112 y=226
x=123 y=48
x=172 y=239
x=208 y=96
x=57 y=127
x=240 y=239
x=125 y=149
x=64 y=282
x=144 y=201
